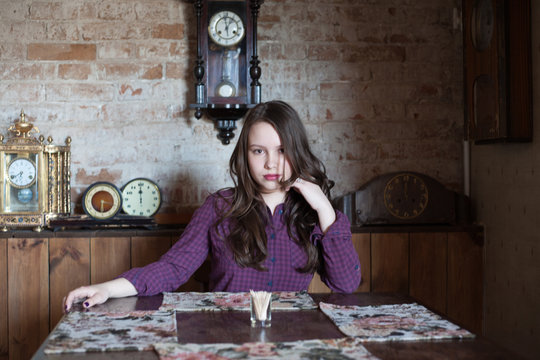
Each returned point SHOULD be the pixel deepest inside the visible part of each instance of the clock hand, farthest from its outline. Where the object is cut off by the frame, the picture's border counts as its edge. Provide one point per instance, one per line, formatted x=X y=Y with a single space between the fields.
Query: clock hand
x=406 y=191
x=102 y=203
x=227 y=23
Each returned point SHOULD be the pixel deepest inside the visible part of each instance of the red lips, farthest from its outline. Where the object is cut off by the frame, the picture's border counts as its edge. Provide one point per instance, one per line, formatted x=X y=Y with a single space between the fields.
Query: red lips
x=272 y=177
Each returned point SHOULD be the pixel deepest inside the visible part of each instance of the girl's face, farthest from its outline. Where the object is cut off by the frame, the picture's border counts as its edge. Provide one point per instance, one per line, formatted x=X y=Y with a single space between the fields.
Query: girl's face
x=266 y=159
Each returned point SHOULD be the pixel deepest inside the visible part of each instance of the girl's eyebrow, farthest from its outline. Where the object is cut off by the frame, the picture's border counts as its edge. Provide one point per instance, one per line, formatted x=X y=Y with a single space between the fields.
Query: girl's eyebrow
x=262 y=146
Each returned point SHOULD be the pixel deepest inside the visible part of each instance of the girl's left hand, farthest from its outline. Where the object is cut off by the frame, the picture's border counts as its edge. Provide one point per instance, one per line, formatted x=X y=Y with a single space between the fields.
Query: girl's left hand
x=317 y=200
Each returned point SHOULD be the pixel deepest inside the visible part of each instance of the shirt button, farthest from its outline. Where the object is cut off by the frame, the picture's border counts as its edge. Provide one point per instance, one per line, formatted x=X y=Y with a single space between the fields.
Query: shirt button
x=270 y=283
x=273 y=259
x=272 y=236
x=280 y=211
x=356 y=267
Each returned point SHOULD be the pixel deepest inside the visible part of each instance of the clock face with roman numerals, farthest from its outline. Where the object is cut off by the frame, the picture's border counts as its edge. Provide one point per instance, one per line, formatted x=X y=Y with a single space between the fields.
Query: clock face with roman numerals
x=226 y=28
x=141 y=197
x=406 y=196
x=402 y=198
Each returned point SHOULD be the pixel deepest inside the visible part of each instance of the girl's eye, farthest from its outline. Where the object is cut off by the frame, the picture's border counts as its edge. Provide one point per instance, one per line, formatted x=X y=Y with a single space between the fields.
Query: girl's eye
x=257 y=151
x=282 y=151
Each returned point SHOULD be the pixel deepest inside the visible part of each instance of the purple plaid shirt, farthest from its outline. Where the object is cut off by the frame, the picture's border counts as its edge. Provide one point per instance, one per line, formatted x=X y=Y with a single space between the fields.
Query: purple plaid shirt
x=341 y=271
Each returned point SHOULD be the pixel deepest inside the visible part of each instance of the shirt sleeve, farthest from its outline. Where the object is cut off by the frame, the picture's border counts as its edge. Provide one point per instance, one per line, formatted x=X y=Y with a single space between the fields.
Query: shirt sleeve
x=340 y=269
x=177 y=265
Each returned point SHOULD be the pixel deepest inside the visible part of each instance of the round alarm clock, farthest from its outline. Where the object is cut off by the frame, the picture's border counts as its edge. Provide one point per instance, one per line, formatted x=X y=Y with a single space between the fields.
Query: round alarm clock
x=102 y=200
x=141 y=197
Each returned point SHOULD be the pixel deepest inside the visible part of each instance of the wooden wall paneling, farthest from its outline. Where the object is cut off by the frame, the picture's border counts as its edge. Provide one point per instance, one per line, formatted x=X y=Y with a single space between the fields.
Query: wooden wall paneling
x=28 y=295
x=427 y=276
x=465 y=280
x=317 y=286
x=390 y=262
x=147 y=249
x=362 y=244
x=194 y=283
x=109 y=257
x=69 y=268
x=4 y=339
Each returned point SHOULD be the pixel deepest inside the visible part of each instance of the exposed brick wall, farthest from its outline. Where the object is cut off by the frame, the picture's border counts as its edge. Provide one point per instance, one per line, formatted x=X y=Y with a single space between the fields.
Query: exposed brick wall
x=379 y=84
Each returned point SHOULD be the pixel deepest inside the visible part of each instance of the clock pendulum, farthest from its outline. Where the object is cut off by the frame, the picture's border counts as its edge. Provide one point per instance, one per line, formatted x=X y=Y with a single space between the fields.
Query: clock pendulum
x=229 y=74
x=25 y=195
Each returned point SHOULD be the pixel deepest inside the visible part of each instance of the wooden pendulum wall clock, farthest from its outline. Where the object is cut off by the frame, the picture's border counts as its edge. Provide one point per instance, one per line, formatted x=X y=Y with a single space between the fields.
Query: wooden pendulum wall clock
x=227 y=68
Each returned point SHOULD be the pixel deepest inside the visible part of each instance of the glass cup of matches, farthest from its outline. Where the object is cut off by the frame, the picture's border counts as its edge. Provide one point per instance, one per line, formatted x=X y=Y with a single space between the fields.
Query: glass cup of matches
x=261 y=308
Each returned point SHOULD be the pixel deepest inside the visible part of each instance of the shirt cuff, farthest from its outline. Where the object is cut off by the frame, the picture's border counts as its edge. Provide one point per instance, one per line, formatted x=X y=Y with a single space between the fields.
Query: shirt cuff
x=131 y=276
x=341 y=226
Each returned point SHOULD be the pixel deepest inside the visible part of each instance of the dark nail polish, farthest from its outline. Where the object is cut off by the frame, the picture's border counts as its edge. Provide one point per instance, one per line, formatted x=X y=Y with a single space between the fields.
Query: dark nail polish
x=86 y=304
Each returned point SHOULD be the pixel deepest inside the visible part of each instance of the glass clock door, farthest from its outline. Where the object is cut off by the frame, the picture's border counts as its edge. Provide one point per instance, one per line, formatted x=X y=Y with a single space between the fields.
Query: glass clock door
x=21 y=188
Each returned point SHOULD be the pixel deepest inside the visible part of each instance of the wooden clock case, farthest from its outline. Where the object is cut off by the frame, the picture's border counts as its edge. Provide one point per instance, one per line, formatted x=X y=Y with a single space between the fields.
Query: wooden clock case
x=497 y=70
x=436 y=204
x=209 y=70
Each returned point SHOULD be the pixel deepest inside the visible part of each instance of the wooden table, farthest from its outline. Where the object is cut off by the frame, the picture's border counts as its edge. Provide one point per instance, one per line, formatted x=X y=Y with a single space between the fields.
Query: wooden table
x=233 y=327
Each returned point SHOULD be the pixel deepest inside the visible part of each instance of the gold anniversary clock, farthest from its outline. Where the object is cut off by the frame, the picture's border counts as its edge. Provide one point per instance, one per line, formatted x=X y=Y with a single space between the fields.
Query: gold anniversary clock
x=35 y=178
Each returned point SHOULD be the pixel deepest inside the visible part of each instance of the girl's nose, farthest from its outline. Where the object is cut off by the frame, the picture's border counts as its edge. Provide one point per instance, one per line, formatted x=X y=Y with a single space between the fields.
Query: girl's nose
x=271 y=160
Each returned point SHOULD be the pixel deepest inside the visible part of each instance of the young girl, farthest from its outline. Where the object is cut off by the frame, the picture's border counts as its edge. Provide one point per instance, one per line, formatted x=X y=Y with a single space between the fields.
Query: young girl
x=271 y=231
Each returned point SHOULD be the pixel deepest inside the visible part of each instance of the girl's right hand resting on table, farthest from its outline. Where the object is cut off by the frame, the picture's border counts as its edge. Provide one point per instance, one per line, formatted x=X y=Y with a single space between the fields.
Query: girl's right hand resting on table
x=99 y=293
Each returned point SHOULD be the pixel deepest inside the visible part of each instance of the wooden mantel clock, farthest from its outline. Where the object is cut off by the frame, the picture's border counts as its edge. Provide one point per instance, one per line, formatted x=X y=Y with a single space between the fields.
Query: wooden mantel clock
x=35 y=178
x=401 y=198
x=227 y=68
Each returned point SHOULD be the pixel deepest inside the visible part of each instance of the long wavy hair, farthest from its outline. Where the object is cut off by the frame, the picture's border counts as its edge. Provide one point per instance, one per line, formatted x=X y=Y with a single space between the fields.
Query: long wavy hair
x=248 y=212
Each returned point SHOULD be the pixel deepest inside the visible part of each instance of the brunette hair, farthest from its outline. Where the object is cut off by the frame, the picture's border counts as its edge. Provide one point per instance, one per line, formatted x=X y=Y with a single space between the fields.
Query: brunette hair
x=248 y=212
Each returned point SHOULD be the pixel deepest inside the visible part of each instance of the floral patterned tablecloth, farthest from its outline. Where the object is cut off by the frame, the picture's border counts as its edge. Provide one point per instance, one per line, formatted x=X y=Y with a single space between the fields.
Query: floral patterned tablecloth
x=226 y=301
x=392 y=322
x=338 y=349
x=102 y=331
